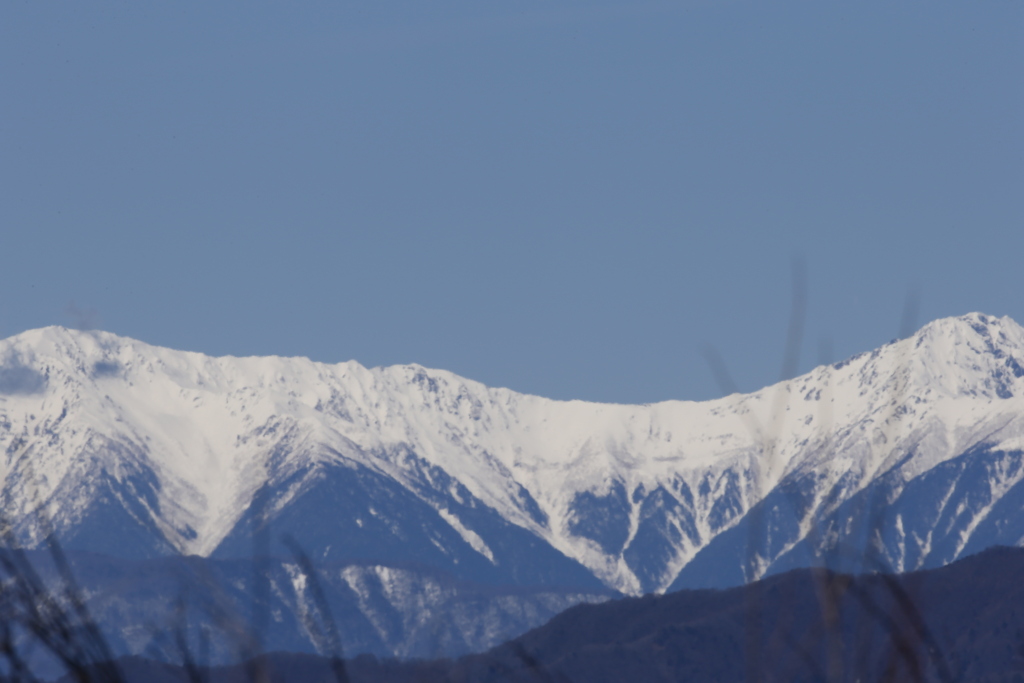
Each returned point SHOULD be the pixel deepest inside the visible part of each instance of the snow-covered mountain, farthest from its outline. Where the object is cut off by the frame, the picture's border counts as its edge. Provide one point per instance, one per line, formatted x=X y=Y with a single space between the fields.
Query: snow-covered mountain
x=137 y=451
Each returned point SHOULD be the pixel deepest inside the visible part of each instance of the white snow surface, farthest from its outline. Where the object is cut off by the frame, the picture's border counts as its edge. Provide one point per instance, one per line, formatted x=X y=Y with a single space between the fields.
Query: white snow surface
x=201 y=423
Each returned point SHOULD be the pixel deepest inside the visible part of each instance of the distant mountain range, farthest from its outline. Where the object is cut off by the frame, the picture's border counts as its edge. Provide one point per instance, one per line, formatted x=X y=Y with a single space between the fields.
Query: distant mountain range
x=906 y=457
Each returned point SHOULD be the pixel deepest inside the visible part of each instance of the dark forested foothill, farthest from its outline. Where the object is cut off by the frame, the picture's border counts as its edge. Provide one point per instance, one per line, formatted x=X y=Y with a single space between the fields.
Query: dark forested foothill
x=962 y=622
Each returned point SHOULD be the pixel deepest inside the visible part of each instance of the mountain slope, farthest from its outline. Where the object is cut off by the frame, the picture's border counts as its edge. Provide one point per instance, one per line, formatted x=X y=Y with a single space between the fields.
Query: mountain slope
x=140 y=451
x=224 y=612
x=962 y=622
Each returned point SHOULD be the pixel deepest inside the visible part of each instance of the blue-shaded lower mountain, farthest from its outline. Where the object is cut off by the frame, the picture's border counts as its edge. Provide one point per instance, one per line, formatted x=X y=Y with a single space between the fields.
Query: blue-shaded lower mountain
x=228 y=610
x=961 y=622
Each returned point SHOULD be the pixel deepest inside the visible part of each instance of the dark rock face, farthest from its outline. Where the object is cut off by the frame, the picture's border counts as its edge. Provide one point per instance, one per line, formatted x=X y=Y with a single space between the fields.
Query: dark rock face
x=364 y=516
x=603 y=519
x=663 y=523
x=890 y=525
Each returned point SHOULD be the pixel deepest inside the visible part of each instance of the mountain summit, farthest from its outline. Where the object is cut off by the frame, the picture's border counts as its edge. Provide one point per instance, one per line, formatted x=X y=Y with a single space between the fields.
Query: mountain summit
x=912 y=451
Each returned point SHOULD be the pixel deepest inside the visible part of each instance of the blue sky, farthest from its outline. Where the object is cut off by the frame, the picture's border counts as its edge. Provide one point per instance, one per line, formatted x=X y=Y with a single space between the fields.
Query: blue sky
x=564 y=198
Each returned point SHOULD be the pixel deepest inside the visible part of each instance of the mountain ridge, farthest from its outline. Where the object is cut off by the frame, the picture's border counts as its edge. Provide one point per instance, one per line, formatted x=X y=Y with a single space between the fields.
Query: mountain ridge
x=173 y=448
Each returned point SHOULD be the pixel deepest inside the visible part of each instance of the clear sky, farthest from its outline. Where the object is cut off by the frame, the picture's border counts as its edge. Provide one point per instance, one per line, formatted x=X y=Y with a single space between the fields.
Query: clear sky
x=565 y=198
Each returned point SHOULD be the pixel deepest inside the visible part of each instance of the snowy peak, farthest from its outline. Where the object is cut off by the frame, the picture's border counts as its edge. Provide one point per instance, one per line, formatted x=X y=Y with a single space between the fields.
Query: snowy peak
x=971 y=355
x=171 y=449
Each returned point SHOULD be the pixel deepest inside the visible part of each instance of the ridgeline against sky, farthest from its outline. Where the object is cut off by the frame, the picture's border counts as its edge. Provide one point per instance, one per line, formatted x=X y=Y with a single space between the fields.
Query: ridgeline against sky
x=567 y=200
